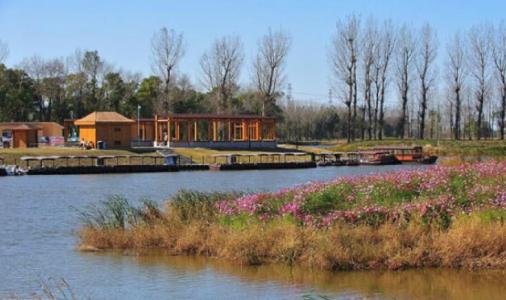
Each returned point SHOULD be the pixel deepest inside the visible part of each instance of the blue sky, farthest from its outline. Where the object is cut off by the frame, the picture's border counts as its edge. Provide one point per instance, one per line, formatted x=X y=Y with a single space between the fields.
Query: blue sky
x=121 y=30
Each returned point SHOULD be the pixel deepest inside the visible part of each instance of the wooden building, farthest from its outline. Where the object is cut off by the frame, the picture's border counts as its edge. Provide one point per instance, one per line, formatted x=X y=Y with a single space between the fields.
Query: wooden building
x=27 y=134
x=19 y=135
x=110 y=128
x=177 y=130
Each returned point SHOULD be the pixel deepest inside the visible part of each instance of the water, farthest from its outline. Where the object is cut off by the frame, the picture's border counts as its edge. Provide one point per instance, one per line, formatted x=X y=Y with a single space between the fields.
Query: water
x=37 y=241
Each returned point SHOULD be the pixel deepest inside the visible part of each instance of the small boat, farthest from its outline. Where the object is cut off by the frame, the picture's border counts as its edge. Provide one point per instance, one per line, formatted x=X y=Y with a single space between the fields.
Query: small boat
x=329 y=159
x=214 y=167
x=428 y=160
x=409 y=154
x=351 y=159
x=378 y=158
x=351 y=162
x=12 y=170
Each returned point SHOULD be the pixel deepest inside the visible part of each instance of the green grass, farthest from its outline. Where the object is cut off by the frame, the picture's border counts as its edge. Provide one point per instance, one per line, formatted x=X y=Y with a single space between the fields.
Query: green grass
x=441 y=147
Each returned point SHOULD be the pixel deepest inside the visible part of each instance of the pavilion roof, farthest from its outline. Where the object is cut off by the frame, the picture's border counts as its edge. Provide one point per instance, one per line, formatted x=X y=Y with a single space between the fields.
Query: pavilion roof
x=103 y=117
x=215 y=116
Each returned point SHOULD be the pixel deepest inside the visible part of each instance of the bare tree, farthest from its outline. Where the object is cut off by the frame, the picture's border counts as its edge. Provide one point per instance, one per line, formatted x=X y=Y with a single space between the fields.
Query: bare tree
x=167 y=48
x=427 y=53
x=343 y=56
x=268 y=66
x=93 y=66
x=49 y=78
x=405 y=57
x=499 y=59
x=4 y=52
x=221 y=68
x=383 y=53
x=369 y=49
x=479 y=59
x=456 y=74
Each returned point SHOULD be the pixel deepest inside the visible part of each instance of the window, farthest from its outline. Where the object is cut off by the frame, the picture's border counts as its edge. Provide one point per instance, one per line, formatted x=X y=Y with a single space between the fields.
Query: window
x=117 y=129
x=117 y=143
x=238 y=131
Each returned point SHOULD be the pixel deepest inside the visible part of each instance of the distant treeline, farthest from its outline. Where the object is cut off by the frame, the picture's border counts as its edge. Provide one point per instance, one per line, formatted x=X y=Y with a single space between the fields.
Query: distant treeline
x=387 y=81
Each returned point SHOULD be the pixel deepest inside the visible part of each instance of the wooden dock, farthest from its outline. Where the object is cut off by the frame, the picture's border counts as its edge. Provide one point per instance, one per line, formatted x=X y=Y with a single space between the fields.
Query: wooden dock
x=113 y=164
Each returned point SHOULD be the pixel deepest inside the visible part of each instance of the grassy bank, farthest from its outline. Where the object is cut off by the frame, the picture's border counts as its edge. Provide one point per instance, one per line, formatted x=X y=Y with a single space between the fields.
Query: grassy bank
x=441 y=147
x=440 y=217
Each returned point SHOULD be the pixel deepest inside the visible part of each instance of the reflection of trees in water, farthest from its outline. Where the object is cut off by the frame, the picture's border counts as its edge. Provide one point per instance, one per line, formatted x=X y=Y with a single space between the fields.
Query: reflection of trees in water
x=409 y=284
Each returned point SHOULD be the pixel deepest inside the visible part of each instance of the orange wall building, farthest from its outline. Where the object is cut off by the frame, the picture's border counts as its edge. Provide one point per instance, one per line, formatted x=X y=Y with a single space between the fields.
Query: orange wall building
x=27 y=134
x=177 y=130
x=111 y=128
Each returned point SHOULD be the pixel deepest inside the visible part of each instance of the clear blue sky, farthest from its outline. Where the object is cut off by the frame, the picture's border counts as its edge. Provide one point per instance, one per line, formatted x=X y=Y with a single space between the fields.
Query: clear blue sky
x=121 y=30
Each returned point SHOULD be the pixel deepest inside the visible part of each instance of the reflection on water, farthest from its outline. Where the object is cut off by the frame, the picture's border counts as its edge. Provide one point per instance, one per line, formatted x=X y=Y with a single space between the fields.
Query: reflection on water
x=37 y=241
x=409 y=284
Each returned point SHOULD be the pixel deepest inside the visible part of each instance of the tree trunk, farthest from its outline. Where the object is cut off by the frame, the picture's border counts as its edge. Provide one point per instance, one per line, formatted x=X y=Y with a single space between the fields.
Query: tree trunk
x=457 y=114
x=422 y=115
x=480 y=117
x=503 y=110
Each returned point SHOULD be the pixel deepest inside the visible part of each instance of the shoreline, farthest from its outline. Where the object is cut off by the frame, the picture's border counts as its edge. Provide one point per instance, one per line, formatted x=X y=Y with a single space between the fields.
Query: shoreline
x=450 y=217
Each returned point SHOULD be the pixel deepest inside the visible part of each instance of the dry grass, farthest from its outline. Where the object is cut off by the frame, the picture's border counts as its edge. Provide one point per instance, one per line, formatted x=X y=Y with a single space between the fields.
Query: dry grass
x=471 y=241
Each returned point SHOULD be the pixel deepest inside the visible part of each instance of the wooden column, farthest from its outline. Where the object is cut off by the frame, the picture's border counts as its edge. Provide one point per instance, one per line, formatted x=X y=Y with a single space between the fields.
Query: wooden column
x=273 y=130
x=168 y=132
x=178 y=132
x=230 y=135
x=188 y=130
x=214 y=131
x=195 y=131
x=155 y=138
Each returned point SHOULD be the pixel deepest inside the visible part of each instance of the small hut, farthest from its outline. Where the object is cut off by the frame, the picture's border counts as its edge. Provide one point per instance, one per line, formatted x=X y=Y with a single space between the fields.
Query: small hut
x=105 y=128
x=19 y=135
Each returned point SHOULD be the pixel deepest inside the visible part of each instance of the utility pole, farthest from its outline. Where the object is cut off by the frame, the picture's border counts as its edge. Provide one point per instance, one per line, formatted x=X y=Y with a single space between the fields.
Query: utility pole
x=330 y=97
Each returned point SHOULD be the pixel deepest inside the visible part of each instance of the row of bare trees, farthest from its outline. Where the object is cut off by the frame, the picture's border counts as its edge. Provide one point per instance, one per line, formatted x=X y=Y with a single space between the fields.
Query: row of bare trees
x=221 y=66
x=58 y=88
x=379 y=70
x=366 y=57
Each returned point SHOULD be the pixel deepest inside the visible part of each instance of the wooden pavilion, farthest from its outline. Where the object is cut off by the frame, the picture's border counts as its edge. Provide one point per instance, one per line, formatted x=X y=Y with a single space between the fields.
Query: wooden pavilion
x=177 y=130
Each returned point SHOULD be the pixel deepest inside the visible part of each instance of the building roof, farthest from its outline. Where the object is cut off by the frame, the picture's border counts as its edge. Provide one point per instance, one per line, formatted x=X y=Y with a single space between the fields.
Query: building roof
x=103 y=117
x=19 y=126
x=216 y=116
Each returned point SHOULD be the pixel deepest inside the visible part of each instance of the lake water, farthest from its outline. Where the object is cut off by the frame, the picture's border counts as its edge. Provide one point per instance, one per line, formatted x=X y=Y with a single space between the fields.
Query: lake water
x=38 y=221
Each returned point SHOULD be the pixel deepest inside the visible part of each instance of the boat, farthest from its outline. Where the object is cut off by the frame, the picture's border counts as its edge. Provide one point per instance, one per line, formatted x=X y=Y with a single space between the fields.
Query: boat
x=214 y=167
x=327 y=159
x=12 y=170
x=377 y=158
x=351 y=159
x=406 y=154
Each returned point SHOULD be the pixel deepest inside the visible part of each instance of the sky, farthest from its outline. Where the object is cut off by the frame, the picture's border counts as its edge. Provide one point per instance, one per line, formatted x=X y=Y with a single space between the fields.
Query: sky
x=121 y=30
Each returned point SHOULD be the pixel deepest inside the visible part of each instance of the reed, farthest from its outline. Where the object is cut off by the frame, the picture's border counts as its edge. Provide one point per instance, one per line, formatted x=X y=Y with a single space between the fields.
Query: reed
x=442 y=217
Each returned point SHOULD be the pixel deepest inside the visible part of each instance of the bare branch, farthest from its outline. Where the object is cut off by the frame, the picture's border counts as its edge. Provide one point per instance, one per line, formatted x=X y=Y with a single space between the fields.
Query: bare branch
x=221 y=67
x=4 y=52
x=268 y=66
